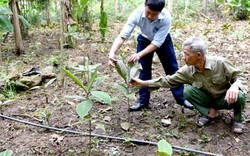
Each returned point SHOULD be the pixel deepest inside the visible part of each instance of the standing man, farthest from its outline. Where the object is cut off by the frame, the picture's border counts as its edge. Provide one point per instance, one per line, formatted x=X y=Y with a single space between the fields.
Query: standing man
x=154 y=22
x=214 y=84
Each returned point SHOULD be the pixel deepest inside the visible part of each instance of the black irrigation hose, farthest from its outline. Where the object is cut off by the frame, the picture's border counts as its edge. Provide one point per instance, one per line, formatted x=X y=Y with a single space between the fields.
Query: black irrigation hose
x=105 y=136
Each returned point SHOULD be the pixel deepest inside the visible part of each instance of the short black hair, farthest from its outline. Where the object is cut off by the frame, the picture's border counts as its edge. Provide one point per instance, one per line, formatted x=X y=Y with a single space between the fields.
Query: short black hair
x=155 y=5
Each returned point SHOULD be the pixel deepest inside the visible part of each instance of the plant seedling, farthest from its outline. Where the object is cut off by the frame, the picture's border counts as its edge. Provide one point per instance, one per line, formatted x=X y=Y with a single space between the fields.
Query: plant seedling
x=91 y=95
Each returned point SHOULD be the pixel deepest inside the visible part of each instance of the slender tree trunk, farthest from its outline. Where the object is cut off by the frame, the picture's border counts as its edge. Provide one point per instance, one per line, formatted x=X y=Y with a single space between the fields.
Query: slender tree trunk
x=87 y=19
x=170 y=6
x=47 y=13
x=115 y=7
x=124 y=8
x=62 y=25
x=55 y=4
x=204 y=6
x=24 y=30
x=17 y=30
x=186 y=7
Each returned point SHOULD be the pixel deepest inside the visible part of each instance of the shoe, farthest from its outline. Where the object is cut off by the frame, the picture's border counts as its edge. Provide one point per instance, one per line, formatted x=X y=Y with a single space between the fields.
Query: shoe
x=138 y=107
x=188 y=105
x=238 y=127
x=204 y=121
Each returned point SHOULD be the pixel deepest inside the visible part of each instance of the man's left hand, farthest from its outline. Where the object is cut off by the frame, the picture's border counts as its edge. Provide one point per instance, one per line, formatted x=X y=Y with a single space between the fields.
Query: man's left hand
x=232 y=94
x=134 y=58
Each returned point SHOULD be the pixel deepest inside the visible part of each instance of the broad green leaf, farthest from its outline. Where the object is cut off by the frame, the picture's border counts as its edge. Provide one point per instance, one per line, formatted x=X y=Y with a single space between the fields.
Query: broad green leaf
x=6 y=153
x=5 y=11
x=72 y=28
x=101 y=97
x=25 y=22
x=93 y=67
x=92 y=80
x=130 y=96
x=74 y=78
x=134 y=70
x=164 y=148
x=99 y=80
x=49 y=83
x=103 y=25
x=75 y=11
x=220 y=1
x=83 y=3
x=20 y=84
x=5 y=23
x=121 y=69
x=122 y=88
x=83 y=108
x=80 y=68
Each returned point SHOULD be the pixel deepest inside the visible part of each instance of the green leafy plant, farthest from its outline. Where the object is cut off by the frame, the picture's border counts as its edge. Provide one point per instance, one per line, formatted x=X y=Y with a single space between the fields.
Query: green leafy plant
x=44 y=87
x=54 y=61
x=91 y=95
x=240 y=8
x=103 y=25
x=6 y=153
x=11 y=86
x=44 y=115
x=86 y=70
x=164 y=148
x=5 y=23
x=73 y=35
x=131 y=70
x=204 y=139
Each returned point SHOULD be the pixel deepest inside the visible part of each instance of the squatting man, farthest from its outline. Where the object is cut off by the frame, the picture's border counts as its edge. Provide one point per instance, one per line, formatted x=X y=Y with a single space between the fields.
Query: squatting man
x=213 y=83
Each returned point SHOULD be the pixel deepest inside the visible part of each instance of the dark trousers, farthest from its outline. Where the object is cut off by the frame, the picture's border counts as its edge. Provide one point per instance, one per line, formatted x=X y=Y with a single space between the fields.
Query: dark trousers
x=168 y=60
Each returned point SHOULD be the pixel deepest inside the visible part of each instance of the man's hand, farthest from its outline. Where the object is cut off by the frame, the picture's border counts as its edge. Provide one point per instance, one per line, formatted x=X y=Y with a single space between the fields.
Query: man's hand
x=232 y=94
x=134 y=57
x=111 y=61
x=138 y=82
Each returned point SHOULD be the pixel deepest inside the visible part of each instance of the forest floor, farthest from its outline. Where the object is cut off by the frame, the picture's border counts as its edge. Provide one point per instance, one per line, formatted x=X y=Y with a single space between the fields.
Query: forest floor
x=223 y=37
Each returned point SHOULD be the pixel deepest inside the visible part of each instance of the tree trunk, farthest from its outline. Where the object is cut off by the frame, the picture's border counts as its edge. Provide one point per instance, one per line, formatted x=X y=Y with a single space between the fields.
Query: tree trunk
x=204 y=7
x=17 y=31
x=115 y=7
x=24 y=31
x=186 y=7
x=62 y=25
x=170 y=6
x=124 y=8
x=55 y=5
x=87 y=19
x=47 y=13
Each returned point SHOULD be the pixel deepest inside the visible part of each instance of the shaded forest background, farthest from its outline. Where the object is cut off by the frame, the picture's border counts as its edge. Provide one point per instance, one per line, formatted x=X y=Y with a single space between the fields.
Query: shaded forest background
x=76 y=35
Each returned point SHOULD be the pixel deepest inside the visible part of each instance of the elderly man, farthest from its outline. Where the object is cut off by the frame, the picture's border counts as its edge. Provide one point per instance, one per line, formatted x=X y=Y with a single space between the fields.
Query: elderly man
x=214 y=84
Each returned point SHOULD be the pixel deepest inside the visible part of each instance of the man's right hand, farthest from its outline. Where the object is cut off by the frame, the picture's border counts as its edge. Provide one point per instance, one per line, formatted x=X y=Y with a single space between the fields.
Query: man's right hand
x=138 y=82
x=111 y=61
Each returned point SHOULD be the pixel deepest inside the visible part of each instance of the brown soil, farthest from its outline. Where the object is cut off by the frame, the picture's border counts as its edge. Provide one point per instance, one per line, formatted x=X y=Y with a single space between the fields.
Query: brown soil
x=26 y=140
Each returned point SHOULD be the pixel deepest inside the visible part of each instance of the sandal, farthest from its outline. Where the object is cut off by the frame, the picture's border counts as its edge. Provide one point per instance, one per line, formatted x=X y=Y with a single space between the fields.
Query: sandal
x=204 y=121
x=32 y=71
x=238 y=127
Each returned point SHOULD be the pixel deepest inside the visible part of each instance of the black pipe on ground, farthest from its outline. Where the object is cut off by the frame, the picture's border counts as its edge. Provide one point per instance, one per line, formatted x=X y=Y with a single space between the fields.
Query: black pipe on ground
x=104 y=136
